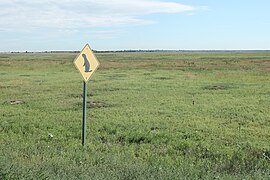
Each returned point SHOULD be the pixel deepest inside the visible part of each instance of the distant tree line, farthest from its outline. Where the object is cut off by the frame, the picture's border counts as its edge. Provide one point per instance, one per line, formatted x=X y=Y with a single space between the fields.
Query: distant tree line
x=119 y=51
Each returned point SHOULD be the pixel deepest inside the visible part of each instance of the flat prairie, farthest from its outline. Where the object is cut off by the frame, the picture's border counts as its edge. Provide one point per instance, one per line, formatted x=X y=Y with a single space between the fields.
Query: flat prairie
x=160 y=115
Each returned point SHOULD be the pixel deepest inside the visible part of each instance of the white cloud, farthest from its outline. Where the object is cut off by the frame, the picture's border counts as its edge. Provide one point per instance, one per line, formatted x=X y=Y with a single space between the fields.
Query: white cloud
x=26 y=15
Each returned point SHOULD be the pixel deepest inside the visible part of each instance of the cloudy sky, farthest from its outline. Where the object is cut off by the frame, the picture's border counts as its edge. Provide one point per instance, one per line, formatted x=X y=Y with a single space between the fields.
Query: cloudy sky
x=39 y=25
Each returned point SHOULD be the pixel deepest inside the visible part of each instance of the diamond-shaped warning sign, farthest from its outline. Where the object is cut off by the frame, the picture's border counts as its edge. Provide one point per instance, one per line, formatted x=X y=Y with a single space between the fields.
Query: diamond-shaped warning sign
x=86 y=62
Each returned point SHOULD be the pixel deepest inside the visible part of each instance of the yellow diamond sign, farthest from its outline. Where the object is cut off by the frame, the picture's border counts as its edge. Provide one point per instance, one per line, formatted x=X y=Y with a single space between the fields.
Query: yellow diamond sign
x=86 y=62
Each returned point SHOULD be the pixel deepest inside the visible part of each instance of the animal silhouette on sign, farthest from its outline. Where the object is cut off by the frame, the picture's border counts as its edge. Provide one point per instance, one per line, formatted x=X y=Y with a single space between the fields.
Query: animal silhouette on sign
x=86 y=64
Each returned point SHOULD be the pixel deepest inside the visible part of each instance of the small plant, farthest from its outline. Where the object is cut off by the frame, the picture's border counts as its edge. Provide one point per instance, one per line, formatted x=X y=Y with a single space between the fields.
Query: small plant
x=50 y=135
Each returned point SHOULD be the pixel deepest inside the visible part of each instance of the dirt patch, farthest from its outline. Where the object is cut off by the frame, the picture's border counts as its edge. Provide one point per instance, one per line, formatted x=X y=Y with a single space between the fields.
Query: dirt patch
x=219 y=87
x=14 y=102
x=163 y=78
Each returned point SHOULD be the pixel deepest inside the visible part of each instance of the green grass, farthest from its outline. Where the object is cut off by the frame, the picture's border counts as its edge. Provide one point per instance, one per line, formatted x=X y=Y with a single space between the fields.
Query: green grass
x=150 y=116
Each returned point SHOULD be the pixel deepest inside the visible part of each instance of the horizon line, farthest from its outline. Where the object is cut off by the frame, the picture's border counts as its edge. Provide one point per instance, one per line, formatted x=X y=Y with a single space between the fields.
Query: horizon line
x=142 y=50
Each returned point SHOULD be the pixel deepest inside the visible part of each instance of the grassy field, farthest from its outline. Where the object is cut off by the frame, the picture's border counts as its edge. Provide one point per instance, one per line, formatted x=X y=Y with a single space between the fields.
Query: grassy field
x=150 y=116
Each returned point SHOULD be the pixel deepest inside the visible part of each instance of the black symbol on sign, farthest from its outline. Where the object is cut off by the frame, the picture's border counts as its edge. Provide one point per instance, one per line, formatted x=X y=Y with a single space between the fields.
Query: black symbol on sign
x=86 y=64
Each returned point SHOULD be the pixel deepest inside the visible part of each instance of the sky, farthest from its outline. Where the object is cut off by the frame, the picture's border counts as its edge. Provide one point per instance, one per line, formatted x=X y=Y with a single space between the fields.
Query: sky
x=44 y=25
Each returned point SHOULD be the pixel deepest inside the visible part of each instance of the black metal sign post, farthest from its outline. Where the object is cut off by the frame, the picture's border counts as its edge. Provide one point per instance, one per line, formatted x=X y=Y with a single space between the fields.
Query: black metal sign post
x=84 y=113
